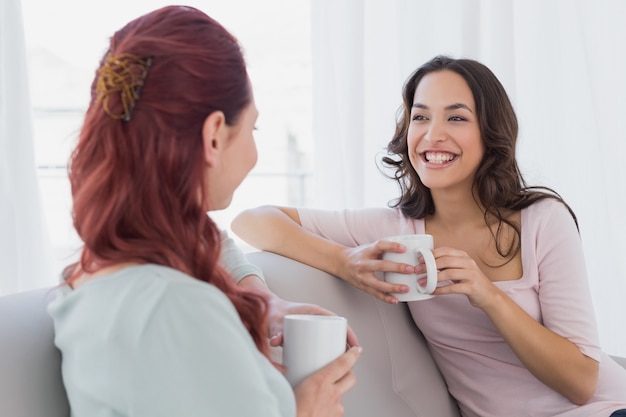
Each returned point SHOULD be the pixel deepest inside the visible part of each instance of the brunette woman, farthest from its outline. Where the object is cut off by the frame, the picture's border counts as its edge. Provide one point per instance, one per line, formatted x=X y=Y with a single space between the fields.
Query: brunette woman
x=512 y=325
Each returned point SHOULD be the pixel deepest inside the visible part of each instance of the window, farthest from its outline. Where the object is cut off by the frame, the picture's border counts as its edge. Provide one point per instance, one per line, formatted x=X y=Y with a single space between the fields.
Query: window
x=63 y=53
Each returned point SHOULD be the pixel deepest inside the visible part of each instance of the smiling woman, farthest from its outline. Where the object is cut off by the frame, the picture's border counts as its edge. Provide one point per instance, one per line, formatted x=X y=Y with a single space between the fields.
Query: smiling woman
x=510 y=263
x=61 y=56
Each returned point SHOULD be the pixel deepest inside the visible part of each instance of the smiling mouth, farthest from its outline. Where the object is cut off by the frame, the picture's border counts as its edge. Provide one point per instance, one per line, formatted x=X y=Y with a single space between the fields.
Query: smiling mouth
x=439 y=157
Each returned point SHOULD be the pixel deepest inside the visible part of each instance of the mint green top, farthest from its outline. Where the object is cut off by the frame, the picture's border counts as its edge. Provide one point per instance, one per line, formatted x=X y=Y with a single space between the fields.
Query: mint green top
x=151 y=341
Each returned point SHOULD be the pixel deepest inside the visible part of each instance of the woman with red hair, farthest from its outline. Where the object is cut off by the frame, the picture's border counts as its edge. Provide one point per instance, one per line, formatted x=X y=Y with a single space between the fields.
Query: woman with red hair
x=150 y=321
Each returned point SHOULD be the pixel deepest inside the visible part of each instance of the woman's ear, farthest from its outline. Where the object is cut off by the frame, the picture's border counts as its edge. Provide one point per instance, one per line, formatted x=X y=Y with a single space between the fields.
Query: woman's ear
x=213 y=136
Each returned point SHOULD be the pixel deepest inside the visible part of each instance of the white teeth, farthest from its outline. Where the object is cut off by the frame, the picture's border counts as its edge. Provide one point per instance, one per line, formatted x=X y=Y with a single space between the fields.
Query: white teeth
x=438 y=157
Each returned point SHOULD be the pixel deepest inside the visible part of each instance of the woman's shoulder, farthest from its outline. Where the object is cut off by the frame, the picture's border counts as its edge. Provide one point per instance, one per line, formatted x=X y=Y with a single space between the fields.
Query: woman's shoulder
x=139 y=291
x=546 y=207
x=154 y=280
x=548 y=203
x=548 y=214
x=170 y=285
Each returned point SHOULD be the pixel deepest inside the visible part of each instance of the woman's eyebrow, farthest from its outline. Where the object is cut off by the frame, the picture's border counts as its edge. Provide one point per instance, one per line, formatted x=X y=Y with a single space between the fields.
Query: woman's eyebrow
x=454 y=106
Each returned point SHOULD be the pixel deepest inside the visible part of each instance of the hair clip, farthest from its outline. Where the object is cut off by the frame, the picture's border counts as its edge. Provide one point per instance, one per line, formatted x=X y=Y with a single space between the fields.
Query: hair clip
x=124 y=74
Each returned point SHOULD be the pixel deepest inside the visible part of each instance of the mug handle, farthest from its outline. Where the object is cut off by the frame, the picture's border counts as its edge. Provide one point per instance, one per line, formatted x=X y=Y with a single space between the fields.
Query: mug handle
x=431 y=271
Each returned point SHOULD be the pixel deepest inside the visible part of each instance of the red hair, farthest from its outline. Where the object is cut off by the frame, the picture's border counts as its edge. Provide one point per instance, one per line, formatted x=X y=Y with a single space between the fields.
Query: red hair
x=138 y=186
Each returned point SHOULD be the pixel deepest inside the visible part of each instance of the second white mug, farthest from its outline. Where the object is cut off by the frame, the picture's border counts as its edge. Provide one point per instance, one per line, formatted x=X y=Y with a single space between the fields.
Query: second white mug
x=311 y=342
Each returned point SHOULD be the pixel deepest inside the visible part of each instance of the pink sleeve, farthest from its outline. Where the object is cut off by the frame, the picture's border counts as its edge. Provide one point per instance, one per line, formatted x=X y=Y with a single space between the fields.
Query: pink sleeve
x=355 y=227
x=564 y=294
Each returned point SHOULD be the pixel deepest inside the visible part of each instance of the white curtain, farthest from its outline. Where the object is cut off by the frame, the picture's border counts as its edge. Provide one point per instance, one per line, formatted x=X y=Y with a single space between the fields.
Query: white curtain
x=24 y=254
x=562 y=63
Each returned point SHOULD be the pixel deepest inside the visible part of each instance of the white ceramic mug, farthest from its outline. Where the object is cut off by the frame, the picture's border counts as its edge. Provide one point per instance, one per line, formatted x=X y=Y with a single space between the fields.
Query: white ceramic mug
x=311 y=342
x=416 y=245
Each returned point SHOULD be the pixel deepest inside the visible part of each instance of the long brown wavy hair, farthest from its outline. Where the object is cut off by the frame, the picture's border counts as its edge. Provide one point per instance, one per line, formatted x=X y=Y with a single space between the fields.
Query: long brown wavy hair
x=499 y=186
x=138 y=182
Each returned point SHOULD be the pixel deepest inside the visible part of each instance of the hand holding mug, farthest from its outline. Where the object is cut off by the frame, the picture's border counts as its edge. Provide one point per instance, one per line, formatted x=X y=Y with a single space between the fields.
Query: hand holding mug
x=418 y=246
x=320 y=395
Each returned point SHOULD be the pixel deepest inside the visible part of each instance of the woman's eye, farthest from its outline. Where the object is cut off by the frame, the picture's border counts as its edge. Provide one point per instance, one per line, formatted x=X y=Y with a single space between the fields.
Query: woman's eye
x=457 y=119
x=418 y=117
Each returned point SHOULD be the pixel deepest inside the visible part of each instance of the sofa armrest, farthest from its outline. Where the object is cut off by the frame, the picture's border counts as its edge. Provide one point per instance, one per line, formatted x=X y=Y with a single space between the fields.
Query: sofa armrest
x=396 y=375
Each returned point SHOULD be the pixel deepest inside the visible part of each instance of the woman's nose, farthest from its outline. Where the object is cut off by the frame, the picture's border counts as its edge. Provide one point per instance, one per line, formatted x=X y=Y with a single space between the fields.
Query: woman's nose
x=436 y=133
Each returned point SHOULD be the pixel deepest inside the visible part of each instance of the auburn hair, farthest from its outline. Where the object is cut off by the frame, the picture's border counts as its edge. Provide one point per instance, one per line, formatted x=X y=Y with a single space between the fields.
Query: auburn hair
x=138 y=183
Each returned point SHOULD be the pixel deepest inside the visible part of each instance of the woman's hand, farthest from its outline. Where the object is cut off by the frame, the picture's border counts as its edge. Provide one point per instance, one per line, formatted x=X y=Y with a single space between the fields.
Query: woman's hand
x=279 y=308
x=466 y=277
x=359 y=265
x=320 y=394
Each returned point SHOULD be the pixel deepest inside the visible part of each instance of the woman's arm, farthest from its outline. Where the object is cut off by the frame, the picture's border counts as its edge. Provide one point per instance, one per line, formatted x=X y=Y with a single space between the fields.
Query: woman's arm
x=233 y=260
x=279 y=308
x=279 y=230
x=551 y=358
x=250 y=276
x=559 y=347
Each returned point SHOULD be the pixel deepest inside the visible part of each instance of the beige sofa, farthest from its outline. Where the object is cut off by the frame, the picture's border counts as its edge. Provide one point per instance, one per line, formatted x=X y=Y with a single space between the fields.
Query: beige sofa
x=396 y=375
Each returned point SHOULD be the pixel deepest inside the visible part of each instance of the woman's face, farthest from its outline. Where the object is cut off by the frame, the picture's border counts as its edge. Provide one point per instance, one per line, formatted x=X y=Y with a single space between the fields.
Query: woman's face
x=444 y=140
x=237 y=157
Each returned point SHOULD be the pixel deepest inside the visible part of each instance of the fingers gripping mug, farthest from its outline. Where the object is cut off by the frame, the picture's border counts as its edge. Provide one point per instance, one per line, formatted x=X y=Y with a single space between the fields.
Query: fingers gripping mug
x=418 y=245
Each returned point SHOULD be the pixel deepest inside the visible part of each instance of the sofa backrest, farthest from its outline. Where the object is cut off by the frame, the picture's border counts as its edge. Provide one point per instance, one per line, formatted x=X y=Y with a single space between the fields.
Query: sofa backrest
x=396 y=375
x=30 y=364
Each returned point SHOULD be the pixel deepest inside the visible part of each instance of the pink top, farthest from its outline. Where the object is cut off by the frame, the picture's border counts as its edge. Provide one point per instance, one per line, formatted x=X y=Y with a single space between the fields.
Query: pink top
x=482 y=372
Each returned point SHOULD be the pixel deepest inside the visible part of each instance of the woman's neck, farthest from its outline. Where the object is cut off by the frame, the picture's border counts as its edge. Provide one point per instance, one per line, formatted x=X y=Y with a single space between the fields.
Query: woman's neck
x=456 y=210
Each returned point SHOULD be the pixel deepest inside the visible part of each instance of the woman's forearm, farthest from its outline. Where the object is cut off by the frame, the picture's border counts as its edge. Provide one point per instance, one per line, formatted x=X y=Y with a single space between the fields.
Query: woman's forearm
x=278 y=229
x=553 y=359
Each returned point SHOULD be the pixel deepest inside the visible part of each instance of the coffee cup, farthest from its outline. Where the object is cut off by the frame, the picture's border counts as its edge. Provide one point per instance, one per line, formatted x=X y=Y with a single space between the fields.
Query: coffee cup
x=417 y=245
x=311 y=342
